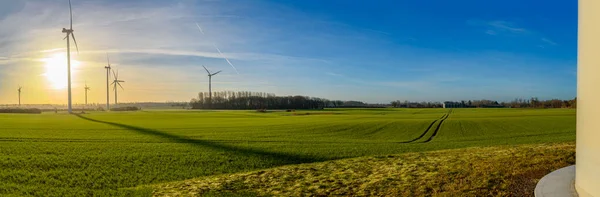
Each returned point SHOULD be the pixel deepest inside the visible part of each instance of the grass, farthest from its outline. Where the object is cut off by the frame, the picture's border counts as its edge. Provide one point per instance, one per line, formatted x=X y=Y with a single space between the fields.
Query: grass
x=492 y=171
x=102 y=153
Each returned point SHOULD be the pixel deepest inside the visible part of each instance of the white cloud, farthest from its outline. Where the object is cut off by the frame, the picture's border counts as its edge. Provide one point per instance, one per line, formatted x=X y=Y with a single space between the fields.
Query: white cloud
x=491 y=32
x=548 y=41
x=506 y=26
x=498 y=27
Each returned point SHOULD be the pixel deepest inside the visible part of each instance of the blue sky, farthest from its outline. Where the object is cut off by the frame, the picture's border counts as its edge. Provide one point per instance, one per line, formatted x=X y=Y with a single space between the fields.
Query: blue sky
x=374 y=51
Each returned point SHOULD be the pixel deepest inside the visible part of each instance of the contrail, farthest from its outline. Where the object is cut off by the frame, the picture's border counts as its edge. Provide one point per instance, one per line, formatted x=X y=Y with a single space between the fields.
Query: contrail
x=226 y=59
x=200 y=28
x=201 y=31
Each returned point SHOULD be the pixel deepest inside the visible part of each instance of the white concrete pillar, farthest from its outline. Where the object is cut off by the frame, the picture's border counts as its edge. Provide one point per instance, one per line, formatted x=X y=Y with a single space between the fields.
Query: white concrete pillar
x=587 y=175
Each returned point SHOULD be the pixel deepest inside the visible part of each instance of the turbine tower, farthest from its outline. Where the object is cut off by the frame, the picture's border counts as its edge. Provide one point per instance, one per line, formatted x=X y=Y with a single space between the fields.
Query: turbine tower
x=69 y=32
x=210 y=84
x=115 y=83
x=19 y=95
x=107 y=82
x=86 y=90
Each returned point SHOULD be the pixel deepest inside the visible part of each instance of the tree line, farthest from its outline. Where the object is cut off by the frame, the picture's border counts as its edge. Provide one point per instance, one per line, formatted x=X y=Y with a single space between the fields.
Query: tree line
x=407 y=104
x=533 y=102
x=261 y=100
x=254 y=100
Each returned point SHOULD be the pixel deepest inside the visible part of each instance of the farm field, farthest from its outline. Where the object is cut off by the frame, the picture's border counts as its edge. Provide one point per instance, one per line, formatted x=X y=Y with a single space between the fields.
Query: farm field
x=101 y=153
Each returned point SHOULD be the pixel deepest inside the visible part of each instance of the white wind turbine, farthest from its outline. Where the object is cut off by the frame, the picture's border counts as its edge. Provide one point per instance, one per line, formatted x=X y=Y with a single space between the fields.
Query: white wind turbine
x=210 y=83
x=116 y=82
x=69 y=32
x=19 y=94
x=108 y=68
x=86 y=91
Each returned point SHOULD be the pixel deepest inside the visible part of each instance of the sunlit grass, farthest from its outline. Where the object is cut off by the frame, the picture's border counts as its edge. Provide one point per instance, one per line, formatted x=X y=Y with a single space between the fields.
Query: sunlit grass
x=99 y=153
x=494 y=171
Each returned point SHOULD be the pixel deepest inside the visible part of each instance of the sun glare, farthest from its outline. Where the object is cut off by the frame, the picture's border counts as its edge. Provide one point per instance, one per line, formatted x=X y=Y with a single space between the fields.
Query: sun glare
x=56 y=70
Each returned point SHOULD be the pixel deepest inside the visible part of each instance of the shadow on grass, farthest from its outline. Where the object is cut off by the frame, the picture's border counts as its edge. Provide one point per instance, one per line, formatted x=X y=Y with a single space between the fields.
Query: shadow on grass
x=281 y=157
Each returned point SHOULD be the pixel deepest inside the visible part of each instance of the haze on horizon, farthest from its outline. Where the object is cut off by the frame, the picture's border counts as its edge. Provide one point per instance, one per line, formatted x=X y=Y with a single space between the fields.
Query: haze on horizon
x=373 y=52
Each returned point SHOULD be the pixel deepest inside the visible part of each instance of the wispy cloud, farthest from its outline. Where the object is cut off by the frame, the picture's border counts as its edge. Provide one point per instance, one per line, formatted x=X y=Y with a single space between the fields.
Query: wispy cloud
x=548 y=41
x=498 y=27
x=334 y=74
x=491 y=32
x=506 y=26
x=14 y=60
x=378 y=31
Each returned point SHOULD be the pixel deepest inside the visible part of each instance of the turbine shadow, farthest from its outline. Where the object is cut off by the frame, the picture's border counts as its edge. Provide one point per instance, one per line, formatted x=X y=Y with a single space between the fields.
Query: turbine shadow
x=280 y=157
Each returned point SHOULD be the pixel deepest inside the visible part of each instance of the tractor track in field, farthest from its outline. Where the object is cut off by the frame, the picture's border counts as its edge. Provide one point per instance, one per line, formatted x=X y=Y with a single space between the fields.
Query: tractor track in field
x=427 y=130
x=437 y=129
x=422 y=134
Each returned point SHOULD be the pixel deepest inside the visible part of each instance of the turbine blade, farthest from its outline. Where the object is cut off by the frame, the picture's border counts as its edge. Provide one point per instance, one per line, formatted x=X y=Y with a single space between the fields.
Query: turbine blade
x=216 y=73
x=114 y=75
x=107 y=59
x=121 y=86
x=71 y=12
x=75 y=41
x=206 y=70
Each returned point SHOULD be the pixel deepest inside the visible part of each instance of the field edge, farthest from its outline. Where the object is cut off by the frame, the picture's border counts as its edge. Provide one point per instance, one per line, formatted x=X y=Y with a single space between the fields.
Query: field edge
x=507 y=170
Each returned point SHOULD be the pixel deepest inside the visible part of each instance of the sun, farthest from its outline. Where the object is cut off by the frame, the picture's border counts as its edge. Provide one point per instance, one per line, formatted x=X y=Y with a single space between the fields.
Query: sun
x=56 y=70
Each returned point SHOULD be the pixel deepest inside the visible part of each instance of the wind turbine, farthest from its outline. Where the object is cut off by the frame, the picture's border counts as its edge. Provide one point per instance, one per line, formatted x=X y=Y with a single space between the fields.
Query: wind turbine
x=19 y=95
x=86 y=90
x=107 y=82
x=210 y=83
x=69 y=32
x=115 y=83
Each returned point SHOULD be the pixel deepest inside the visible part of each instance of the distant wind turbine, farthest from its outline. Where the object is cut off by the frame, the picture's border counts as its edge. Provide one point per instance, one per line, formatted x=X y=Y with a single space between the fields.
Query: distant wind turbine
x=86 y=90
x=210 y=83
x=19 y=94
x=107 y=82
x=115 y=83
x=69 y=32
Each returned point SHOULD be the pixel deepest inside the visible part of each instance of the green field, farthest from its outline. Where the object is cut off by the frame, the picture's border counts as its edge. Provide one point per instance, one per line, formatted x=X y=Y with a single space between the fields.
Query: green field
x=101 y=153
